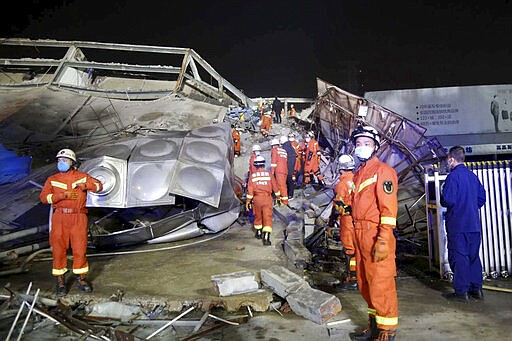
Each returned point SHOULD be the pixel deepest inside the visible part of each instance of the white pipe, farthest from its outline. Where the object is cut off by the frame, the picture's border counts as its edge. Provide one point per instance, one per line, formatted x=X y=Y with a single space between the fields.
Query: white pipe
x=492 y=188
x=170 y=322
x=484 y=253
x=508 y=215
x=488 y=218
x=498 y=176
x=28 y=315
x=17 y=315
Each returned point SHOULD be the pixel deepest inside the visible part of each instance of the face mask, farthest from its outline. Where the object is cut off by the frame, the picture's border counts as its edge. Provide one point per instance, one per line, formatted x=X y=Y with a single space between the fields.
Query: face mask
x=62 y=166
x=256 y=152
x=308 y=139
x=363 y=153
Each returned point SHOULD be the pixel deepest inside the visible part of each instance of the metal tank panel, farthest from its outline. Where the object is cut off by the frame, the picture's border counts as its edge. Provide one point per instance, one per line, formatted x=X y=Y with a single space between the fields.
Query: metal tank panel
x=150 y=171
x=198 y=182
x=112 y=174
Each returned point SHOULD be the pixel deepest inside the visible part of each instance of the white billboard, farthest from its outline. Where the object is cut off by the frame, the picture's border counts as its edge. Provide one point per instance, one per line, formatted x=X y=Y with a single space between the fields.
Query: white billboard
x=452 y=110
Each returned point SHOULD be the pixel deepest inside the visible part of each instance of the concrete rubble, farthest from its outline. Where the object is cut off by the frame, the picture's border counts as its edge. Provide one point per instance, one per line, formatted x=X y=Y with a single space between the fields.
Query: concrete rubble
x=240 y=282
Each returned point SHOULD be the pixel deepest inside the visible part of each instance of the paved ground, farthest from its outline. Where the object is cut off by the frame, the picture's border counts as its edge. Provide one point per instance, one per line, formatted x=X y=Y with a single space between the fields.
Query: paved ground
x=179 y=275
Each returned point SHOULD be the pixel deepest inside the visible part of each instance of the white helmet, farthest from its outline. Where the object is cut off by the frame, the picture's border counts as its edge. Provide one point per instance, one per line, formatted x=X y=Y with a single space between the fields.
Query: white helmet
x=346 y=162
x=366 y=131
x=256 y=148
x=259 y=161
x=274 y=142
x=283 y=139
x=67 y=153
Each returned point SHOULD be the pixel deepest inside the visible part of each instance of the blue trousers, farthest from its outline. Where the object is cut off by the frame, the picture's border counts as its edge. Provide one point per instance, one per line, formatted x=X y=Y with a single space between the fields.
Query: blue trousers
x=464 y=259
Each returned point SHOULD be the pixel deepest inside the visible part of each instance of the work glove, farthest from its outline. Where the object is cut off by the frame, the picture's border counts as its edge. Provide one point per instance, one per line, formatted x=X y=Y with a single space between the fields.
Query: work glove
x=380 y=249
x=294 y=178
x=248 y=205
x=71 y=195
x=278 y=201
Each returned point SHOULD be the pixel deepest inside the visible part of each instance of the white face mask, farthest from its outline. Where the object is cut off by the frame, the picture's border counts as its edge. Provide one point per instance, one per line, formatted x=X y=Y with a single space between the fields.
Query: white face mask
x=308 y=139
x=363 y=153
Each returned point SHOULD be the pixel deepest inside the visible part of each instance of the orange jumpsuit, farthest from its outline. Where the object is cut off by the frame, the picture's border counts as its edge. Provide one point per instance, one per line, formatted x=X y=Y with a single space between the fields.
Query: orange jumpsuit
x=259 y=191
x=279 y=170
x=69 y=219
x=312 y=161
x=266 y=124
x=374 y=210
x=236 y=141
x=343 y=190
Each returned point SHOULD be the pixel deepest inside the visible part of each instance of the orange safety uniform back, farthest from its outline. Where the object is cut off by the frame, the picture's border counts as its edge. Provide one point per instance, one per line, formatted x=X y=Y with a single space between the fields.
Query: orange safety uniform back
x=61 y=182
x=235 y=134
x=260 y=183
x=278 y=160
x=312 y=153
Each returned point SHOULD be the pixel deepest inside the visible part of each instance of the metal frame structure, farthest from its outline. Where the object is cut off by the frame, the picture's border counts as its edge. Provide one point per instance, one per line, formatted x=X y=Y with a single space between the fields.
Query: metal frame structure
x=187 y=72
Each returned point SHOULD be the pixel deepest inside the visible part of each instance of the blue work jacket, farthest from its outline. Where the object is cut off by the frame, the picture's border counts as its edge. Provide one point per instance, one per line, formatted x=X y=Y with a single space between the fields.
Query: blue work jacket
x=462 y=195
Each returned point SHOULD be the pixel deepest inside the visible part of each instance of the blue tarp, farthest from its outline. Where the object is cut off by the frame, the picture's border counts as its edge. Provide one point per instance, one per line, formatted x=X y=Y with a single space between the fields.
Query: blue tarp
x=13 y=167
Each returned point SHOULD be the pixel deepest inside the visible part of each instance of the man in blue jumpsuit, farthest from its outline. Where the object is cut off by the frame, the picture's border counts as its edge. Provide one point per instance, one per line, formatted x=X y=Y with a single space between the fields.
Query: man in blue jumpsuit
x=463 y=195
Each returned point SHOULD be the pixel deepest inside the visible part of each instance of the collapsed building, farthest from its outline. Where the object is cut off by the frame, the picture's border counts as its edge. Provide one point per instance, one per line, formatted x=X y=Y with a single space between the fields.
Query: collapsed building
x=159 y=138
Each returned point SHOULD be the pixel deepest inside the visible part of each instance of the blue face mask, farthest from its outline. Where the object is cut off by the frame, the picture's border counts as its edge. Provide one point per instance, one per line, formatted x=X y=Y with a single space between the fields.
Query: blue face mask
x=62 y=166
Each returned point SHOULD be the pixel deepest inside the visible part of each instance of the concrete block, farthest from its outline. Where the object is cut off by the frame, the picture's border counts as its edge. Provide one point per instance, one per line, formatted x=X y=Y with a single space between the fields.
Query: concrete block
x=322 y=198
x=234 y=283
x=296 y=252
x=294 y=230
x=281 y=280
x=285 y=214
x=313 y=304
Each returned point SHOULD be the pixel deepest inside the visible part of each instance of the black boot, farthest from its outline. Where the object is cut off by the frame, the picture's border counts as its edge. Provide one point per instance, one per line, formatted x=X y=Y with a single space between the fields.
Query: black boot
x=454 y=297
x=351 y=280
x=82 y=283
x=386 y=335
x=476 y=294
x=369 y=333
x=266 y=239
x=258 y=234
x=60 y=287
x=349 y=285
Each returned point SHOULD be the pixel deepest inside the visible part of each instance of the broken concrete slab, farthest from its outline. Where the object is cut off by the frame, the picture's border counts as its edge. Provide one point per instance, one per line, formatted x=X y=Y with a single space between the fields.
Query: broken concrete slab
x=297 y=253
x=313 y=304
x=240 y=282
x=281 y=280
x=294 y=230
x=285 y=213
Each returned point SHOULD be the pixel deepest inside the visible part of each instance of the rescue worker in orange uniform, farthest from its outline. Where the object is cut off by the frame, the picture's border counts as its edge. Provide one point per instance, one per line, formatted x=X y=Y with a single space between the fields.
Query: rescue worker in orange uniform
x=256 y=150
x=66 y=191
x=279 y=168
x=235 y=134
x=266 y=124
x=312 y=160
x=374 y=211
x=342 y=205
x=259 y=196
x=292 y=111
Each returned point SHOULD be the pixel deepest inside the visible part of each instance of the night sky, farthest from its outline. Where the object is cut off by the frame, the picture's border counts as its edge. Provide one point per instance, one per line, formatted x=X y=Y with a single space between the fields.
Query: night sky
x=270 y=48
